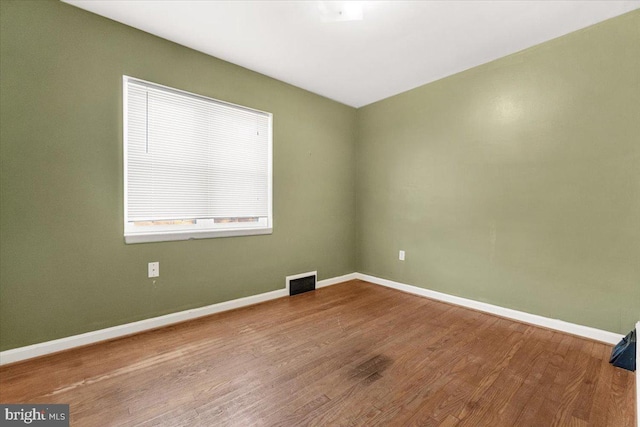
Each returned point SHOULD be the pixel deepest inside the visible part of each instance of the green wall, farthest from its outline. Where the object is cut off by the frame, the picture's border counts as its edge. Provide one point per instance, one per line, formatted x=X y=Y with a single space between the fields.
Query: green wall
x=515 y=183
x=65 y=268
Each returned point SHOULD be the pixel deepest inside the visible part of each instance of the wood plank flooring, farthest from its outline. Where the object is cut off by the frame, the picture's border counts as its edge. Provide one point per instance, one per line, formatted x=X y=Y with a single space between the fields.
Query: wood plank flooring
x=349 y=354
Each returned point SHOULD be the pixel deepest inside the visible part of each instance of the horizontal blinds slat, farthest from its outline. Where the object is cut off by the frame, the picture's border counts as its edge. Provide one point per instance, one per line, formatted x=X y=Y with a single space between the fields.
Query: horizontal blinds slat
x=194 y=158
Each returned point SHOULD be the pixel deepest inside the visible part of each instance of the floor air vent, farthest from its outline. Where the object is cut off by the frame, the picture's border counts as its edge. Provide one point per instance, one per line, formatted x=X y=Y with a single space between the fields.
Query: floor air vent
x=300 y=283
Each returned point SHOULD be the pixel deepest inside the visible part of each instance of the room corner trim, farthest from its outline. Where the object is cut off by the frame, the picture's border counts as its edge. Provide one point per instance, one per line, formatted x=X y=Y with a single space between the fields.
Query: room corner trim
x=521 y=316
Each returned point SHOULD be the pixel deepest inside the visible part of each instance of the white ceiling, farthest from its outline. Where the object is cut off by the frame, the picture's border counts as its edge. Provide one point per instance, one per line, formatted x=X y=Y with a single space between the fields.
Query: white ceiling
x=397 y=46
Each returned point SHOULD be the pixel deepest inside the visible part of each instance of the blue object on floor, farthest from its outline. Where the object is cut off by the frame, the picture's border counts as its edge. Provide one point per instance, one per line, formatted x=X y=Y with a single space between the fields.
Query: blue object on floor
x=624 y=353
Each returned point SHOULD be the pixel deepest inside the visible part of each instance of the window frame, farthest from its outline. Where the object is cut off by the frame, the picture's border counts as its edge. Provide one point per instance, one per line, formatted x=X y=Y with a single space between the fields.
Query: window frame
x=205 y=228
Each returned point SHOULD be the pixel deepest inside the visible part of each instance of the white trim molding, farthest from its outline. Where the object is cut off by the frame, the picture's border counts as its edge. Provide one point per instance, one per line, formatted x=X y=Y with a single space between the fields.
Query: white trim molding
x=336 y=280
x=54 y=346
x=521 y=316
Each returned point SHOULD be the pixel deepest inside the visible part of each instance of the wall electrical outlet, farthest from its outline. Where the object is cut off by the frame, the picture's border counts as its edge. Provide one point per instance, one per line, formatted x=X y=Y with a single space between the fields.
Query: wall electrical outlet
x=154 y=269
x=401 y=256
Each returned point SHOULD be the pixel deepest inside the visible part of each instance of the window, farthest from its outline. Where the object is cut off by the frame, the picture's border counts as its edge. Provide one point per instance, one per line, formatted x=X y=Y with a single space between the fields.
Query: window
x=194 y=167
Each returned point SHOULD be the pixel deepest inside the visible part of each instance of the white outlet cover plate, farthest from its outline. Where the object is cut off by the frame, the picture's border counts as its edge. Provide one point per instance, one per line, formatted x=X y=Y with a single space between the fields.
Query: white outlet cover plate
x=154 y=269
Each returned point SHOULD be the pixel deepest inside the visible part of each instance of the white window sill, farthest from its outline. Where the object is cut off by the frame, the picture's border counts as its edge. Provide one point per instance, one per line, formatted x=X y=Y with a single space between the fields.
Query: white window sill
x=167 y=236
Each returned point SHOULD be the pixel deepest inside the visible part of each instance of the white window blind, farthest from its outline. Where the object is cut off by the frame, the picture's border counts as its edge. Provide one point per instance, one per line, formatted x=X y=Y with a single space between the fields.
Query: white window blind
x=194 y=167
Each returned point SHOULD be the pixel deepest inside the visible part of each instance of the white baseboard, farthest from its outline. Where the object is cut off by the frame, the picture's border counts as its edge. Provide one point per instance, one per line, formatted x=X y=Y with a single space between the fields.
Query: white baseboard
x=556 y=324
x=336 y=280
x=40 y=349
x=54 y=346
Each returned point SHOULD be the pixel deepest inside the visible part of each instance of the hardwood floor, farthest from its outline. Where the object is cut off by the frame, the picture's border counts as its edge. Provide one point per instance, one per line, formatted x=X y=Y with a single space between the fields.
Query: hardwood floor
x=350 y=354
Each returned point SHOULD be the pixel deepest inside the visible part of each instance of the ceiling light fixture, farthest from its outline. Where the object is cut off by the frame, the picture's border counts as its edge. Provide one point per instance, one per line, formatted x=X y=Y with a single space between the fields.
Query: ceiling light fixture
x=339 y=11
